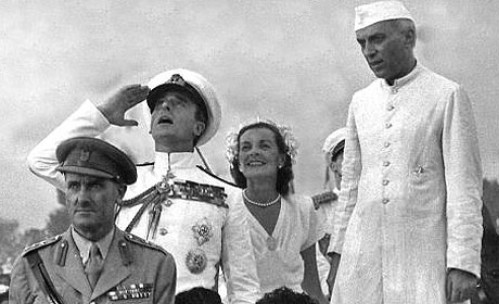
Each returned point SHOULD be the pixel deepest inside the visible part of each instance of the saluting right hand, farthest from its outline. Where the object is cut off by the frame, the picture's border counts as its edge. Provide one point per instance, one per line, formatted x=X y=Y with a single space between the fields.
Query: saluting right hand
x=115 y=107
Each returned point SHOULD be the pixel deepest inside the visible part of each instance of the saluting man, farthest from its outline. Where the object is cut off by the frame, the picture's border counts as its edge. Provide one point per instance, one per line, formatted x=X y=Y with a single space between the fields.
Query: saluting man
x=93 y=261
x=409 y=219
x=174 y=203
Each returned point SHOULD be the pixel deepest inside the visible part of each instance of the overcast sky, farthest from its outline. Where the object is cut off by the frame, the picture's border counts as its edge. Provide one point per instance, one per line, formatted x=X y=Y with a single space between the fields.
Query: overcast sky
x=296 y=62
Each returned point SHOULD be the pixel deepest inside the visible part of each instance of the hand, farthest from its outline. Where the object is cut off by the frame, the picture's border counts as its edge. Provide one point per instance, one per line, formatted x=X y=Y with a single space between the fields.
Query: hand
x=331 y=277
x=115 y=107
x=461 y=285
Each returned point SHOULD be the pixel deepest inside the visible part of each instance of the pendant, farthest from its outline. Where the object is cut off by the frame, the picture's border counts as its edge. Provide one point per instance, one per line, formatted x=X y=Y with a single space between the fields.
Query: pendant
x=271 y=243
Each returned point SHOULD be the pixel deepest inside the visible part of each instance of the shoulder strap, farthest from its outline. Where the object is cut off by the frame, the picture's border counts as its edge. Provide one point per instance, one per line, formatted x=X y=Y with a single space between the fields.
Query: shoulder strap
x=323 y=198
x=43 y=278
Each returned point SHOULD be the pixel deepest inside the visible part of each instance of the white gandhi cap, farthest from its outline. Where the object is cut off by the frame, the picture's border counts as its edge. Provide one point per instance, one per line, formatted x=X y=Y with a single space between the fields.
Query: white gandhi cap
x=369 y=14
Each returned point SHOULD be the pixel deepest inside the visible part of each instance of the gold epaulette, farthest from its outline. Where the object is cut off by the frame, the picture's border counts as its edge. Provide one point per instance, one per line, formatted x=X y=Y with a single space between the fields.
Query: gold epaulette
x=323 y=198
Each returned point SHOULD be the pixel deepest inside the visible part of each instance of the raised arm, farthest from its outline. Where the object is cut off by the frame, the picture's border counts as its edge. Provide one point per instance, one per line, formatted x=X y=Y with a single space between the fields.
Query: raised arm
x=89 y=120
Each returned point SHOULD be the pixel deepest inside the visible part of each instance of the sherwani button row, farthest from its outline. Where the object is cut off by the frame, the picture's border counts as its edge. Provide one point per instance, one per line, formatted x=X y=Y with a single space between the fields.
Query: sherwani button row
x=388 y=125
x=390 y=108
x=386 y=201
x=386 y=144
x=386 y=163
x=385 y=182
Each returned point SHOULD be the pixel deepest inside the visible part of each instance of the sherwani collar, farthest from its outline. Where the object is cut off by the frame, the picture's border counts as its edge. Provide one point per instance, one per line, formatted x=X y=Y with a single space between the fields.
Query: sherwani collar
x=403 y=81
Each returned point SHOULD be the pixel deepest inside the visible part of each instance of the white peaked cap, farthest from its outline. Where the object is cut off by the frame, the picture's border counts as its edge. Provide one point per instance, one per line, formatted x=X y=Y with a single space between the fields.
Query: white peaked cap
x=204 y=89
x=333 y=140
x=369 y=14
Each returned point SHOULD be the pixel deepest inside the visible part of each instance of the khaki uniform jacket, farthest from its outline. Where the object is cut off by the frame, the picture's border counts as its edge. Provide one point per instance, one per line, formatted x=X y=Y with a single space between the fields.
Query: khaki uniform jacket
x=410 y=200
x=129 y=263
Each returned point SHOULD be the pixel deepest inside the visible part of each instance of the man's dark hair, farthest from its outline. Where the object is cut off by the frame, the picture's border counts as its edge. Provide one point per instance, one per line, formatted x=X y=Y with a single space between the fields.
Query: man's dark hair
x=198 y=295
x=285 y=295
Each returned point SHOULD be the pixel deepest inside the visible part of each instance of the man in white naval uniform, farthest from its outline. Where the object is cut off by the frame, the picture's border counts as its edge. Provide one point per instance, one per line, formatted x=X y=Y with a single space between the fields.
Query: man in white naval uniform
x=333 y=153
x=174 y=203
x=409 y=222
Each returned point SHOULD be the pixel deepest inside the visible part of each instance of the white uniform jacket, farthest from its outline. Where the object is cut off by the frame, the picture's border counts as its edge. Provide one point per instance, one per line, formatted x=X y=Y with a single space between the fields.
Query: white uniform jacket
x=199 y=235
x=410 y=204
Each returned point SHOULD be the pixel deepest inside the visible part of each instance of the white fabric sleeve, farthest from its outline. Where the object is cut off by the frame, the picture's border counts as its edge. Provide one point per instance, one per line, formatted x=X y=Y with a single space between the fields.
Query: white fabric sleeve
x=317 y=225
x=86 y=121
x=351 y=169
x=463 y=175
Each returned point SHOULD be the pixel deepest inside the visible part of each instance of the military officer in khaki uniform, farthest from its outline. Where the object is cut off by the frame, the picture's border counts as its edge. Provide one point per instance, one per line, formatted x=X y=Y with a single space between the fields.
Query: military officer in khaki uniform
x=174 y=203
x=93 y=261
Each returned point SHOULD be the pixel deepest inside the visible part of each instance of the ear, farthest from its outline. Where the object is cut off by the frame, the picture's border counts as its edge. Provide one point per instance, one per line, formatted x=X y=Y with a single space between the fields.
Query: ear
x=198 y=128
x=410 y=38
x=334 y=166
x=121 y=191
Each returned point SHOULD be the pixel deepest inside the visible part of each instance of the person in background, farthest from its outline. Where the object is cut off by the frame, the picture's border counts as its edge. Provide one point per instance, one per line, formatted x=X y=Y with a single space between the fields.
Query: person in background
x=93 y=261
x=409 y=226
x=488 y=290
x=333 y=153
x=285 y=295
x=4 y=288
x=198 y=295
x=284 y=227
x=175 y=203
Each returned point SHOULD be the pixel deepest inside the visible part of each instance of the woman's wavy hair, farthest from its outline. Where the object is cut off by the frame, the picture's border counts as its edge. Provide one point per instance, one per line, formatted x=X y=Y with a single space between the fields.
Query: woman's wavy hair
x=284 y=174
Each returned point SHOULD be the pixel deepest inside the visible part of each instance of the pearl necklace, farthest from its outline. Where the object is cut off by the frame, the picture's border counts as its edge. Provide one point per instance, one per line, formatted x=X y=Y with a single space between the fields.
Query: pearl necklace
x=261 y=204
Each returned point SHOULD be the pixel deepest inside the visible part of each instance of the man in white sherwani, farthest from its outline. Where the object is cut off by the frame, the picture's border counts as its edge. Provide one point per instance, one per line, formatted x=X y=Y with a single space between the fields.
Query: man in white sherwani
x=174 y=203
x=409 y=222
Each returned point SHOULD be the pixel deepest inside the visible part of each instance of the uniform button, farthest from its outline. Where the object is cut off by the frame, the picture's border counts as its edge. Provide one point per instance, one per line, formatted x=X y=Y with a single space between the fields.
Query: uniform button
x=385 y=182
x=386 y=163
x=386 y=144
x=386 y=201
x=390 y=108
x=163 y=231
x=395 y=89
x=388 y=125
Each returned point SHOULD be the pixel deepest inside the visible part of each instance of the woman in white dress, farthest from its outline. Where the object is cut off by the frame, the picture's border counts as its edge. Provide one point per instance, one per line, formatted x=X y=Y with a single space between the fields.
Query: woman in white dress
x=284 y=227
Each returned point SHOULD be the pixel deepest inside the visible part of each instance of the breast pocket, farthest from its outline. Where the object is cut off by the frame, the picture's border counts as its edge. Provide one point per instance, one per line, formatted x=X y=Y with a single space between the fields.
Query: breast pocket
x=426 y=190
